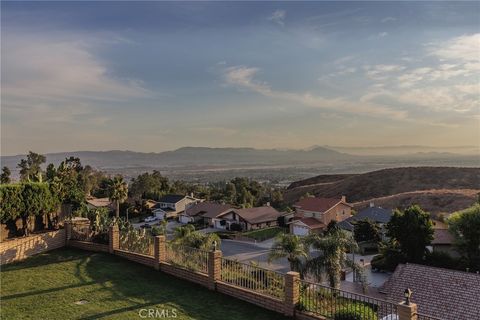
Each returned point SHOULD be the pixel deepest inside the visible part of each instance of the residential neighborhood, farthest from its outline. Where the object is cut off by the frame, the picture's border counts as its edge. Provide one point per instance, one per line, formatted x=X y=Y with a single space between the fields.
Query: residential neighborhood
x=240 y=160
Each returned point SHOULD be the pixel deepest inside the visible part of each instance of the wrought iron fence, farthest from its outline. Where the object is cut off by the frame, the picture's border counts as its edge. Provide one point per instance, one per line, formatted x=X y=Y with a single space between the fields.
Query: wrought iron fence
x=187 y=257
x=254 y=278
x=82 y=232
x=421 y=316
x=338 y=304
x=136 y=241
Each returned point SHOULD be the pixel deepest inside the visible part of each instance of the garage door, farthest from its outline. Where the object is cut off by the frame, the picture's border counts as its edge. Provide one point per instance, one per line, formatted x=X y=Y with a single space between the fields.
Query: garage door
x=184 y=219
x=300 y=231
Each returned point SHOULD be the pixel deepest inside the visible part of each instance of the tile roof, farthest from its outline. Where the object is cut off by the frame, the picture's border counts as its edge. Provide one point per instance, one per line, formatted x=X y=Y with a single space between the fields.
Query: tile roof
x=258 y=214
x=442 y=236
x=316 y=204
x=447 y=294
x=207 y=209
x=313 y=223
x=377 y=214
x=171 y=198
x=99 y=202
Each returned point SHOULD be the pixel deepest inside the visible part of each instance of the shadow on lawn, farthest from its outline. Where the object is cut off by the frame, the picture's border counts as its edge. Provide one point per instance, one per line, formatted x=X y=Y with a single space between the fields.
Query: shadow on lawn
x=146 y=288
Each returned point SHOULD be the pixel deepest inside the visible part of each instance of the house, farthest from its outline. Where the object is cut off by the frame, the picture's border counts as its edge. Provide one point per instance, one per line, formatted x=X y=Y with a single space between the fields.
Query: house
x=95 y=203
x=443 y=293
x=247 y=219
x=202 y=212
x=313 y=214
x=170 y=205
x=378 y=215
x=442 y=240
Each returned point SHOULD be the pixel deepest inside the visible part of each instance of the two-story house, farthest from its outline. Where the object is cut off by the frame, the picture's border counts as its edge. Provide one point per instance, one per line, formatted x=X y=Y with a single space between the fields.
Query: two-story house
x=313 y=214
x=171 y=205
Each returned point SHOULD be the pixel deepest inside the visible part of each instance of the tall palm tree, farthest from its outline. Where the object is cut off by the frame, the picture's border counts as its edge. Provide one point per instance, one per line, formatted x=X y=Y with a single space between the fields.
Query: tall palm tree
x=292 y=247
x=117 y=192
x=333 y=255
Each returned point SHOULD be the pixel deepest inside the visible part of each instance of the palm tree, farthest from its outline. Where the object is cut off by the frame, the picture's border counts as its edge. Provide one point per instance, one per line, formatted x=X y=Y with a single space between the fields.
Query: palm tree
x=292 y=247
x=181 y=233
x=117 y=192
x=333 y=256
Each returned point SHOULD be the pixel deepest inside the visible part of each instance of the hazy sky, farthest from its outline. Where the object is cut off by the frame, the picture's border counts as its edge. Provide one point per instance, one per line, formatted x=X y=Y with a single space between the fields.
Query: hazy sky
x=155 y=76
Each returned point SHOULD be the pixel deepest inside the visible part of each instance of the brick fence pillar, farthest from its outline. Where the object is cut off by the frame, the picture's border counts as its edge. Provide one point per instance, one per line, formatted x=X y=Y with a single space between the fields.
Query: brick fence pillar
x=292 y=292
x=114 y=238
x=68 y=232
x=160 y=251
x=214 y=268
x=407 y=311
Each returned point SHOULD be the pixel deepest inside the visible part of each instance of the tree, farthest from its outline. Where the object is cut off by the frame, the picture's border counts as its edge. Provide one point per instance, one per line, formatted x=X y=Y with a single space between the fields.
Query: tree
x=5 y=177
x=366 y=230
x=333 y=256
x=331 y=227
x=465 y=226
x=292 y=247
x=30 y=169
x=413 y=229
x=117 y=192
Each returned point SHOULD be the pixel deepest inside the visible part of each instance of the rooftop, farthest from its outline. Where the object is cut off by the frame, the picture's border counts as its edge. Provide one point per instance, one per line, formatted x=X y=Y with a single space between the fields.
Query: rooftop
x=207 y=209
x=444 y=293
x=317 y=204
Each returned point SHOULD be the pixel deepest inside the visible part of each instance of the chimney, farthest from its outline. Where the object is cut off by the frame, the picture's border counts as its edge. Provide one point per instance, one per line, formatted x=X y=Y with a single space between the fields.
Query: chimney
x=372 y=204
x=191 y=194
x=344 y=199
x=268 y=203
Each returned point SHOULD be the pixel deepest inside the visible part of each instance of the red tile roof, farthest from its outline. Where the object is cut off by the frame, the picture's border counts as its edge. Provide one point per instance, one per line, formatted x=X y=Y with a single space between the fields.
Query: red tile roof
x=443 y=293
x=207 y=209
x=317 y=204
x=313 y=223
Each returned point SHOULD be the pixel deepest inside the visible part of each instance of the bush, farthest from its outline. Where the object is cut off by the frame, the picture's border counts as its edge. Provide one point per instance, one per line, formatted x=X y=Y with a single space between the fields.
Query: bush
x=355 y=311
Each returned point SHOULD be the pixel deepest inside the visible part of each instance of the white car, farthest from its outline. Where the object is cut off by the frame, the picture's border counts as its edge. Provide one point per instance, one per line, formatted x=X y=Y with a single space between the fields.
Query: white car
x=150 y=219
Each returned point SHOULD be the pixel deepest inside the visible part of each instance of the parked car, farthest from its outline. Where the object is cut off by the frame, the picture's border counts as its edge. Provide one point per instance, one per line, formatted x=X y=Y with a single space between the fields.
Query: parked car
x=145 y=226
x=150 y=219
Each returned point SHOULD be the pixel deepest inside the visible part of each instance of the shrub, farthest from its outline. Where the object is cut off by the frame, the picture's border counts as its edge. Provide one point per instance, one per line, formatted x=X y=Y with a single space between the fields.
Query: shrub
x=355 y=311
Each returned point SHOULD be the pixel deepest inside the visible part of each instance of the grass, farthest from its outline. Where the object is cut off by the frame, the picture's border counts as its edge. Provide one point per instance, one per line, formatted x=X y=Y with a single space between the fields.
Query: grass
x=263 y=234
x=48 y=285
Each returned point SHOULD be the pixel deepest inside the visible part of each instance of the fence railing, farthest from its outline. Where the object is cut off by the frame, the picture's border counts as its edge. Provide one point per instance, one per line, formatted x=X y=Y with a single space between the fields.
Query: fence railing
x=421 y=316
x=187 y=257
x=338 y=304
x=254 y=278
x=81 y=232
x=136 y=241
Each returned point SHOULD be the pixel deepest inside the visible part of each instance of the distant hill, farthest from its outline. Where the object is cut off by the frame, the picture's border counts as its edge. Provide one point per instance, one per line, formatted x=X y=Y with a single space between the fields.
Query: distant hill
x=387 y=182
x=433 y=201
x=193 y=156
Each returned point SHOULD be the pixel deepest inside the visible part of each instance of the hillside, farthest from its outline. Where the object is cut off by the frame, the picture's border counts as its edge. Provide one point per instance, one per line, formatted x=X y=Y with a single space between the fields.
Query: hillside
x=433 y=201
x=387 y=182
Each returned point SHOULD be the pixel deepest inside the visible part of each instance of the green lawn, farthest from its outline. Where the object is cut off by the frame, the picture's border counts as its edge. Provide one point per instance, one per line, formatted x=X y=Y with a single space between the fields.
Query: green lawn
x=48 y=285
x=263 y=234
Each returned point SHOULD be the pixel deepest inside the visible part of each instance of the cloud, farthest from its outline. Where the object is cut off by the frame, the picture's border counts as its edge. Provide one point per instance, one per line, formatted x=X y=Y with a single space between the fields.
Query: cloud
x=382 y=34
x=382 y=71
x=388 y=19
x=465 y=48
x=244 y=78
x=58 y=79
x=278 y=16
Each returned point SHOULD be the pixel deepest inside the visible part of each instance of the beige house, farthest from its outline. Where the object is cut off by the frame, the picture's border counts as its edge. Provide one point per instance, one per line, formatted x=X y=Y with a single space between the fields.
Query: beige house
x=171 y=205
x=95 y=203
x=313 y=214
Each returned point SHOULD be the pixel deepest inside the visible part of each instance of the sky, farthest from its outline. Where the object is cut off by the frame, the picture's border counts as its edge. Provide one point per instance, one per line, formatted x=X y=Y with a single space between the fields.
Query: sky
x=155 y=76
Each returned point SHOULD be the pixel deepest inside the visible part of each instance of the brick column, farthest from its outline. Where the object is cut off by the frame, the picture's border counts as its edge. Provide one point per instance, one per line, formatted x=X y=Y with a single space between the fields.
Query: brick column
x=160 y=251
x=292 y=292
x=214 y=268
x=68 y=231
x=407 y=312
x=114 y=238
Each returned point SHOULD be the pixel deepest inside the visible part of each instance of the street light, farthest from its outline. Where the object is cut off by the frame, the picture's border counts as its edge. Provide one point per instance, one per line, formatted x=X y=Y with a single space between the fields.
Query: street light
x=407 y=294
